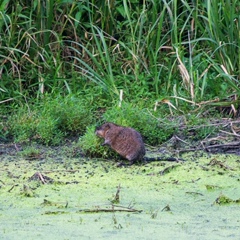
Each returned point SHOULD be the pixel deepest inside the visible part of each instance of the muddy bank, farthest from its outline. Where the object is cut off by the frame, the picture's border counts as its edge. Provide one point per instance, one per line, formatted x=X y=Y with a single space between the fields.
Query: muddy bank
x=56 y=192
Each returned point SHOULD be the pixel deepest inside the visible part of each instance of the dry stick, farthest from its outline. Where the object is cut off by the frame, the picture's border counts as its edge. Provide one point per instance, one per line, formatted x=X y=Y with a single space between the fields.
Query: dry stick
x=12 y=188
x=113 y=209
x=227 y=145
x=232 y=144
x=166 y=208
x=16 y=147
x=232 y=134
x=41 y=177
x=214 y=139
x=179 y=139
x=234 y=130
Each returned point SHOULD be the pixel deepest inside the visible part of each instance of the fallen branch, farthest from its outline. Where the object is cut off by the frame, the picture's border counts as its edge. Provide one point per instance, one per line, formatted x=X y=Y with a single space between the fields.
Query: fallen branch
x=228 y=133
x=225 y=145
x=209 y=148
x=112 y=208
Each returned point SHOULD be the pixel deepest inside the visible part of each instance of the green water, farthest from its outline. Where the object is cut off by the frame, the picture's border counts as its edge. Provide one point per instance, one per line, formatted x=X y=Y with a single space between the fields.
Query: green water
x=180 y=204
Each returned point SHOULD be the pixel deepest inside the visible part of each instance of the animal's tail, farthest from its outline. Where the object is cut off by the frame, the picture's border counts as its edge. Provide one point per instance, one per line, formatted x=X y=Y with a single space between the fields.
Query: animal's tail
x=172 y=159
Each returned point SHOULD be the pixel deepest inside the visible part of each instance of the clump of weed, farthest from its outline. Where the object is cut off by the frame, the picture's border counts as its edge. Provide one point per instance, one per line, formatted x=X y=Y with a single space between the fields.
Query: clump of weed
x=31 y=152
x=49 y=120
x=73 y=113
x=32 y=125
x=91 y=146
x=48 y=131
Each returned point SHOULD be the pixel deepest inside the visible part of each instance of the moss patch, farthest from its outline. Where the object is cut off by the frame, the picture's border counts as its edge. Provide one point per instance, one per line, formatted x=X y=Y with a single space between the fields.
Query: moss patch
x=74 y=198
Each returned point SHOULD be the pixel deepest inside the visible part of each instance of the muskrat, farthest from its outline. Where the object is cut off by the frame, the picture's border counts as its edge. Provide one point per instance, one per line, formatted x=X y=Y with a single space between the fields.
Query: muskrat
x=126 y=141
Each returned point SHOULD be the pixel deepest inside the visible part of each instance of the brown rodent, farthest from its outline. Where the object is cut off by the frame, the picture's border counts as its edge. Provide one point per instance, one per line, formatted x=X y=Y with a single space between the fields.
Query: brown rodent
x=127 y=142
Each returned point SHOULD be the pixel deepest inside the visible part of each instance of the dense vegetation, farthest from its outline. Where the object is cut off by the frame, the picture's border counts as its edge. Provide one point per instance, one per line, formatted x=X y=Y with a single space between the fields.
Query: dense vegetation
x=174 y=56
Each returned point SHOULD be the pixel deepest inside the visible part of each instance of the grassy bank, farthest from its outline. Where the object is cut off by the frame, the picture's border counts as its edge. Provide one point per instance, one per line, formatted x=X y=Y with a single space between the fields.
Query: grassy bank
x=64 y=65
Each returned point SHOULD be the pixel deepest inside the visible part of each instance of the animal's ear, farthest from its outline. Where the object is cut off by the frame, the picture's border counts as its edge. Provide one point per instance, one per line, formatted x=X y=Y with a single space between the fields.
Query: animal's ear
x=107 y=125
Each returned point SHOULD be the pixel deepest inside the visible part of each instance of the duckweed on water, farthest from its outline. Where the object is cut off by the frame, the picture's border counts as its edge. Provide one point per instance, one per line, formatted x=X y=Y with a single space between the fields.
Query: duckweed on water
x=78 y=202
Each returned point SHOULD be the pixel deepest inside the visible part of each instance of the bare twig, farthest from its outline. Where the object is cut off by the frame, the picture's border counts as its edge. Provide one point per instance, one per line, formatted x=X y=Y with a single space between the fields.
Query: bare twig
x=228 y=133
x=112 y=208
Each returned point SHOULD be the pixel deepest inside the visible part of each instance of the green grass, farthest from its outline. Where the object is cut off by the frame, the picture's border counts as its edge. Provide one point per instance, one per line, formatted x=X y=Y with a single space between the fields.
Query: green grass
x=172 y=48
x=155 y=129
x=51 y=119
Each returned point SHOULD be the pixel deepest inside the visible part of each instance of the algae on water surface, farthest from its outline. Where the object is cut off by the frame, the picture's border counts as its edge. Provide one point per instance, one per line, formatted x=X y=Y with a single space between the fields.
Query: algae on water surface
x=71 y=198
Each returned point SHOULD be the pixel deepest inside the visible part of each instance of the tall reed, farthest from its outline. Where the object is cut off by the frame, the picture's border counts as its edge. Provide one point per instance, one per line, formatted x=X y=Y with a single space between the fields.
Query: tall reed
x=186 y=50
